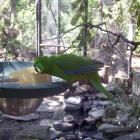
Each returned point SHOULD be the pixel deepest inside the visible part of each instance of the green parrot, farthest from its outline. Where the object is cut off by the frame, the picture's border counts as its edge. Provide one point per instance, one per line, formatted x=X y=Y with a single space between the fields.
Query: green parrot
x=72 y=68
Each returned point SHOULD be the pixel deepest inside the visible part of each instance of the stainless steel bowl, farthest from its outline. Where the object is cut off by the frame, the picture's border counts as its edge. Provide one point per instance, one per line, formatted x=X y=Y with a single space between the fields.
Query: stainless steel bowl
x=22 y=96
x=19 y=107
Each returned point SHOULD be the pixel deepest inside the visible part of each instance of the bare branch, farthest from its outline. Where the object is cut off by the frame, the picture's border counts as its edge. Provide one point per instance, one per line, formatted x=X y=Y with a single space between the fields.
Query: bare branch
x=68 y=47
x=71 y=29
x=120 y=35
x=80 y=25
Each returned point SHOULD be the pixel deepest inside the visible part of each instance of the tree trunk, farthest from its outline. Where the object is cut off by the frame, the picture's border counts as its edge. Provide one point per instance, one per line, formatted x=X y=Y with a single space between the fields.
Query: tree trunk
x=131 y=35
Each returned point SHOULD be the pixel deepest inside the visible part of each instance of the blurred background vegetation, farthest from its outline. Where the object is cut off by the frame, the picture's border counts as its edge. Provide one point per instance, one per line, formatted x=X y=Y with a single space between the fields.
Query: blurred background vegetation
x=17 y=22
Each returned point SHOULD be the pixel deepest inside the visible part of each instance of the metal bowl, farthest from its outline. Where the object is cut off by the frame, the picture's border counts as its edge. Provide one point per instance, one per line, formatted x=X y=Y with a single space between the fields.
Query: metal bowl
x=19 y=99
x=19 y=107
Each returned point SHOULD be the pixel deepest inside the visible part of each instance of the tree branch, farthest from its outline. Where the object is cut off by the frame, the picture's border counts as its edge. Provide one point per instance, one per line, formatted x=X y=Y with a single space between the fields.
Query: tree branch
x=98 y=26
x=119 y=35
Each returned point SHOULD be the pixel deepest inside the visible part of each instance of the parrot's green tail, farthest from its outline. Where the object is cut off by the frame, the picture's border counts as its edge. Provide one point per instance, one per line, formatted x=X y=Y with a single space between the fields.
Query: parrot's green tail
x=97 y=83
x=101 y=88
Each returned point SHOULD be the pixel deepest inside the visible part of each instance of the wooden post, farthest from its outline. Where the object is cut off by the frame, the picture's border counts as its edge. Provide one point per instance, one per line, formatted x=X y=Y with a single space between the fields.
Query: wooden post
x=38 y=27
x=85 y=28
x=59 y=26
x=131 y=35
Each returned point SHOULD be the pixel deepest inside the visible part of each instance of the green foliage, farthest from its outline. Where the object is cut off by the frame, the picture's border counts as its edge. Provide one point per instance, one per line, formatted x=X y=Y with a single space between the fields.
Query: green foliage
x=81 y=11
x=6 y=34
x=25 y=20
x=135 y=12
x=118 y=13
x=21 y=23
x=114 y=12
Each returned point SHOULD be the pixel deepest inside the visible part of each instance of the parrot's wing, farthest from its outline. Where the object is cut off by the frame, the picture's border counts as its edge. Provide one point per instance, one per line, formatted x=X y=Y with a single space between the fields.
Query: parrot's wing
x=69 y=68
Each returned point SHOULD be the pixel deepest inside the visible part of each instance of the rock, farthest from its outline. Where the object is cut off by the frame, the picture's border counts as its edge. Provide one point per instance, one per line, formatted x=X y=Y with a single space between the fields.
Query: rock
x=111 y=112
x=63 y=126
x=86 y=126
x=59 y=99
x=69 y=119
x=1 y=113
x=110 y=115
x=70 y=137
x=136 y=83
x=7 y=134
x=123 y=118
x=73 y=103
x=112 y=131
x=74 y=100
x=58 y=115
x=34 y=131
x=111 y=121
x=92 y=134
x=54 y=134
x=104 y=103
x=46 y=122
x=90 y=120
x=30 y=117
x=69 y=93
x=81 y=89
x=91 y=104
x=105 y=127
x=130 y=136
x=93 y=90
x=101 y=96
x=61 y=138
x=49 y=106
x=88 y=138
x=95 y=104
x=96 y=113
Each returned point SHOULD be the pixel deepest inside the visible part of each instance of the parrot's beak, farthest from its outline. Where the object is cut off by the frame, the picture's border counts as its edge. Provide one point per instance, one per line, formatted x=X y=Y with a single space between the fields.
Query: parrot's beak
x=39 y=67
x=36 y=68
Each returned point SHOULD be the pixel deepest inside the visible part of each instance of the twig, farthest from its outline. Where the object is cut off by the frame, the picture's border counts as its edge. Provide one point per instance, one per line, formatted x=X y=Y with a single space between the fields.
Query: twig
x=115 y=43
x=71 y=29
x=108 y=35
x=68 y=47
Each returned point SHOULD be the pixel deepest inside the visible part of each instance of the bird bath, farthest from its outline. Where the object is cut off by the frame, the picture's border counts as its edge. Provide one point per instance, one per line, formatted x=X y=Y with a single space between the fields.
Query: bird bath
x=21 y=99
